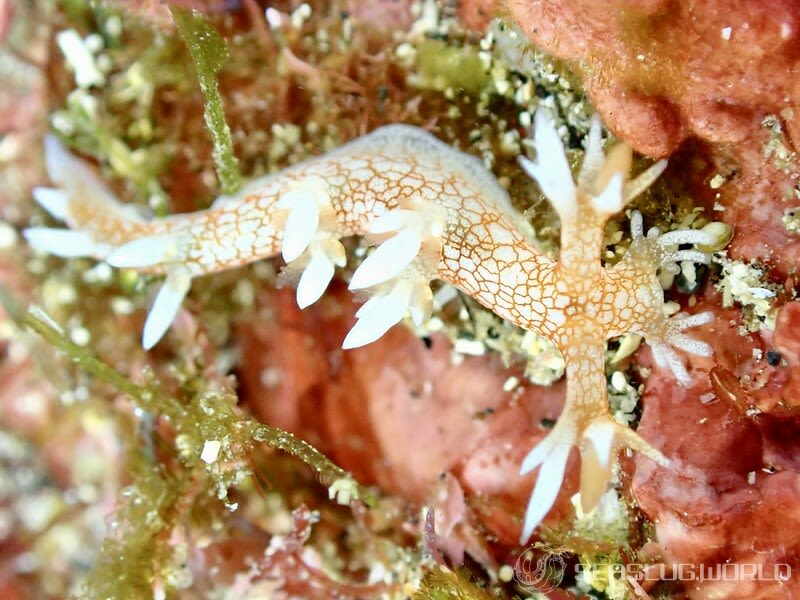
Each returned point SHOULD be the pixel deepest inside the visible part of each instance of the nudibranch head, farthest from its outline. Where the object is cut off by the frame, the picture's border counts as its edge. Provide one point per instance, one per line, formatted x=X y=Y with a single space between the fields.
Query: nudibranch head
x=630 y=291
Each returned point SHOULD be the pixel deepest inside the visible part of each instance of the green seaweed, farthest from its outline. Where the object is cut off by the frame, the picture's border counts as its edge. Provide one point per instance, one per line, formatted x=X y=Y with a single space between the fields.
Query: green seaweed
x=205 y=418
x=136 y=550
x=209 y=54
x=442 y=66
x=443 y=584
x=127 y=563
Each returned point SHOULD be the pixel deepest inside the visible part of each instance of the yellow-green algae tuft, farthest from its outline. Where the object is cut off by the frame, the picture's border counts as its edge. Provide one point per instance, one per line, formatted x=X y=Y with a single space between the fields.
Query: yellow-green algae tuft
x=136 y=550
x=209 y=53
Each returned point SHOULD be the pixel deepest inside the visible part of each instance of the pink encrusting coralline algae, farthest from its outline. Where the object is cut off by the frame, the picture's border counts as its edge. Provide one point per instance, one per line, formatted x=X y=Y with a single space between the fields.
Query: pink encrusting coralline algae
x=431 y=212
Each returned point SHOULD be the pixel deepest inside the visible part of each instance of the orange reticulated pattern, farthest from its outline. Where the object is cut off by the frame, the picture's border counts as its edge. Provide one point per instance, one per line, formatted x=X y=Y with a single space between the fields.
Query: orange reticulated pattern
x=431 y=212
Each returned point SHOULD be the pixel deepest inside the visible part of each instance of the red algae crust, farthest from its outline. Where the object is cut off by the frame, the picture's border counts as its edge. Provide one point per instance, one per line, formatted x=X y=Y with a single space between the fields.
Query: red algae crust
x=399 y=414
x=732 y=495
x=659 y=70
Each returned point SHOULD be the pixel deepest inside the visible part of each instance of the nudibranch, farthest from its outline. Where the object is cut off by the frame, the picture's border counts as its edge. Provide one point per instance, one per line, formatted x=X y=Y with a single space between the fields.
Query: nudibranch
x=431 y=212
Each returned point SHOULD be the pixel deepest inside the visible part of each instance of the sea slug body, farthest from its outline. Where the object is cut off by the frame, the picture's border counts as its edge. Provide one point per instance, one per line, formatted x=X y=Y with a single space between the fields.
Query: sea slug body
x=431 y=212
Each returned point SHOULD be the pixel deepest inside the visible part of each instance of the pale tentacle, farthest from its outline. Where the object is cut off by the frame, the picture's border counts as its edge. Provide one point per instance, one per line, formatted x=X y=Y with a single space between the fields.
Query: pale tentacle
x=551 y=168
x=594 y=157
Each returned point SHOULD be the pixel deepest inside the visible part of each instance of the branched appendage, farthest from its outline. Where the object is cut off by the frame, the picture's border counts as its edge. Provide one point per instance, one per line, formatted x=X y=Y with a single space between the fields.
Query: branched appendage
x=633 y=277
x=431 y=212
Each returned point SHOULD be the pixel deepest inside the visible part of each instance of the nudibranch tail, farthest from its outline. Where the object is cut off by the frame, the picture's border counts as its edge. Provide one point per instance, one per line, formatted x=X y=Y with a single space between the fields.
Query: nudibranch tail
x=428 y=212
x=399 y=185
x=79 y=192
